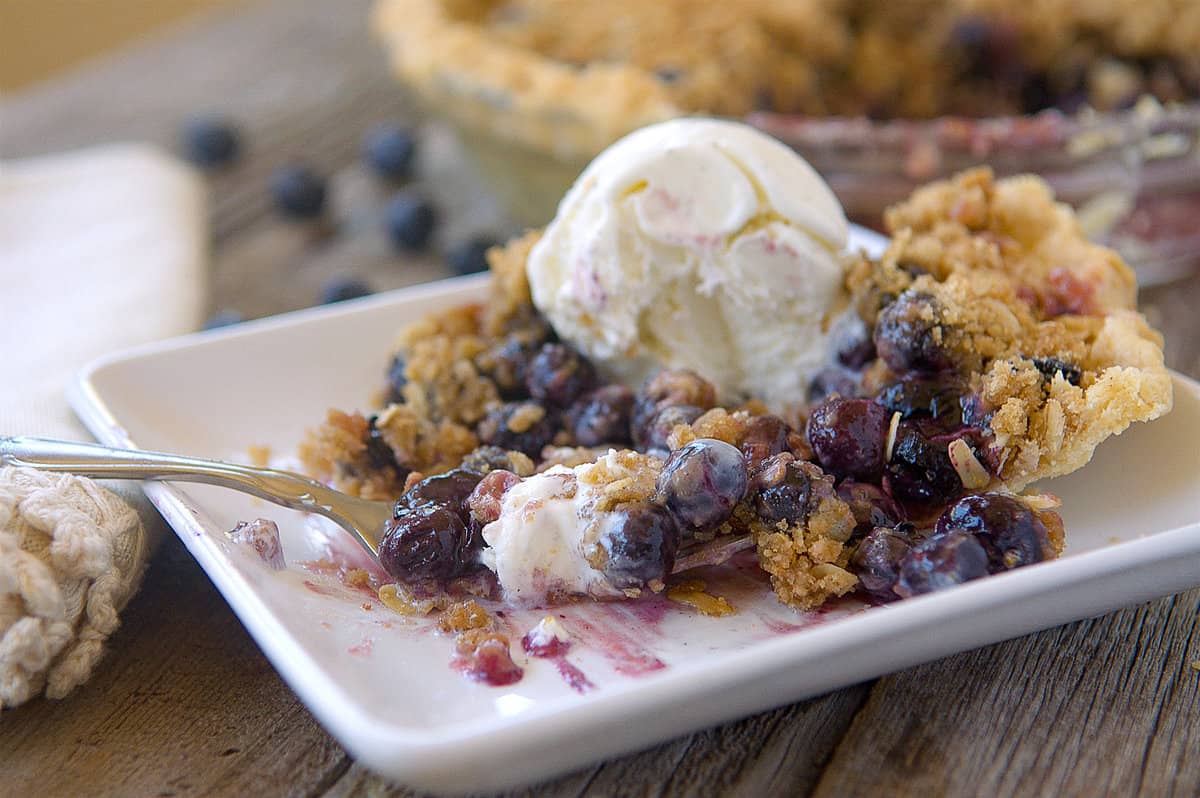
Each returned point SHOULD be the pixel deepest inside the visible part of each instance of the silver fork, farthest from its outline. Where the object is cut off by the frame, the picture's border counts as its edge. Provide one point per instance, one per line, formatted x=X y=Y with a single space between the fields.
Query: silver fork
x=360 y=517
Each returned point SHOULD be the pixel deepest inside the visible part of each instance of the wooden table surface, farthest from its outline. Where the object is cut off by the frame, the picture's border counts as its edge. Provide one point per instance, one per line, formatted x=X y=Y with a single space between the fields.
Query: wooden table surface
x=185 y=704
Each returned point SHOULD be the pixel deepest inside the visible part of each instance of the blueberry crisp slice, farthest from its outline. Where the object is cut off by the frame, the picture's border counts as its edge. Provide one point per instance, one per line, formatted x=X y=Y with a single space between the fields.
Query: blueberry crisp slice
x=991 y=346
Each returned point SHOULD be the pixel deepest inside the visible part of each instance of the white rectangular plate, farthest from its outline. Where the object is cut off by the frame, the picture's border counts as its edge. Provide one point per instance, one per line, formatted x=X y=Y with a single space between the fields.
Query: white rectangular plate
x=381 y=683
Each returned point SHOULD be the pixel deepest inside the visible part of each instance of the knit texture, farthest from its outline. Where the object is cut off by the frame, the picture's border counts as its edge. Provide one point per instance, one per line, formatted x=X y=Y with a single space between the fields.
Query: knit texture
x=71 y=553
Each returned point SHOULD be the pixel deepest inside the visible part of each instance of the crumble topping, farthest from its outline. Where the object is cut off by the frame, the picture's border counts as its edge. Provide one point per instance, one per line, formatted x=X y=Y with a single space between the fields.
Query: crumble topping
x=1008 y=280
x=989 y=293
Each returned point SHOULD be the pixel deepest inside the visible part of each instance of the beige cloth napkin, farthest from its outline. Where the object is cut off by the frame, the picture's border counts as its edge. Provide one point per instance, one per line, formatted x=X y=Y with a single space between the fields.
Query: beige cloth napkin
x=100 y=249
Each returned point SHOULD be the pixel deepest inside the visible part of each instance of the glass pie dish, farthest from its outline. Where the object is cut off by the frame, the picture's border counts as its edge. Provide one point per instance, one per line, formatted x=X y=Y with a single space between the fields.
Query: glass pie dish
x=1133 y=177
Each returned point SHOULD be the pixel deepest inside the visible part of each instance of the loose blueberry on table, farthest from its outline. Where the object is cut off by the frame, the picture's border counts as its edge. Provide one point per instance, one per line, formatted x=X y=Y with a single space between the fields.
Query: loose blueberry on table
x=298 y=191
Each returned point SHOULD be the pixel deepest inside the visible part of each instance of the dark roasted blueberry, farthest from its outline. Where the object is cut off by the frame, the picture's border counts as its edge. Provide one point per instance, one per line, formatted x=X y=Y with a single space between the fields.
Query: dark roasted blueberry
x=378 y=452
x=651 y=436
x=876 y=562
x=920 y=469
x=526 y=427
x=390 y=151
x=852 y=343
x=870 y=506
x=640 y=542
x=602 y=416
x=1009 y=530
x=486 y=459
x=765 y=437
x=786 y=492
x=451 y=490
x=666 y=388
x=558 y=375
x=469 y=257
x=1052 y=365
x=926 y=396
x=907 y=334
x=223 y=318
x=428 y=542
x=298 y=191
x=702 y=483
x=848 y=436
x=409 y=219
x=210 y=141
x=974 y=412
x=396 y=378
x=833 y=380
x=341 y=288
x=507 y=365
x=940 y=562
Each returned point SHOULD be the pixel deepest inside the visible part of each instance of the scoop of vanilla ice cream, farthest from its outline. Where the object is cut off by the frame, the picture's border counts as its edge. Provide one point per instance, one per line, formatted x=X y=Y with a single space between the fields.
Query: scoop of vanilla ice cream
x=700 y=244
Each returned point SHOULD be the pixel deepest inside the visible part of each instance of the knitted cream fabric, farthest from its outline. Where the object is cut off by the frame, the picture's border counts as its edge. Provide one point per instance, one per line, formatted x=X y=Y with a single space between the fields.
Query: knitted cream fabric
x=100 y=250
x=70 y=555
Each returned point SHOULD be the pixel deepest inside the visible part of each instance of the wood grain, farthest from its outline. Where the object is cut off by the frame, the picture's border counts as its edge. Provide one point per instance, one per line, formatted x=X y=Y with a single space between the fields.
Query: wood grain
x=186 y=705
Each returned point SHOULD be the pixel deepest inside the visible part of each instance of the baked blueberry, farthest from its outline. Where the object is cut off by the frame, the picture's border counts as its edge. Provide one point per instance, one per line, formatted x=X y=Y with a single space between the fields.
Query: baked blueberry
x=876 y=562
x=451 y=490
x=651 y=434
x=601 y=416
x=870 y=506
x=936 y=396
x=766 y=436
x=909 y=335
x=702 y=483
x=558 y=375
x=428 y=542
x=640 y=541
x=920 y=469
x=940 y=562
x=525 y=427
x=848 y=436
x=1009 y=530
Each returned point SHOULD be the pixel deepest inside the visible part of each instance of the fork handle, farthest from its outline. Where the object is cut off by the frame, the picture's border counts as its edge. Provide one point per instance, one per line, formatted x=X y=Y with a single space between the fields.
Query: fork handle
x=103 y=462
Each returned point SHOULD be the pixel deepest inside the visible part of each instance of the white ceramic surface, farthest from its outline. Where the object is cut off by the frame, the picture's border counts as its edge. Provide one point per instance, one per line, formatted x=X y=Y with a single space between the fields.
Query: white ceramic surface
x=381 y=683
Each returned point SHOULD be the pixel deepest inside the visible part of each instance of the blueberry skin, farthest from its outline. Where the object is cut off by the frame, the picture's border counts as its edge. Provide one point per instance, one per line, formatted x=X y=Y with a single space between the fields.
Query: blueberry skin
x=469 y=257
x=907 y=335
x=210 y=141
x=410 y=221
x=1008 y=529
x=641 y=543
x=390 y=151
x=298 y=191
x=848 y=436
x=876 y=562
x=339 y=289
x=429 y=541
x=451 y=490
x=702 y=483
x=940 y=562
